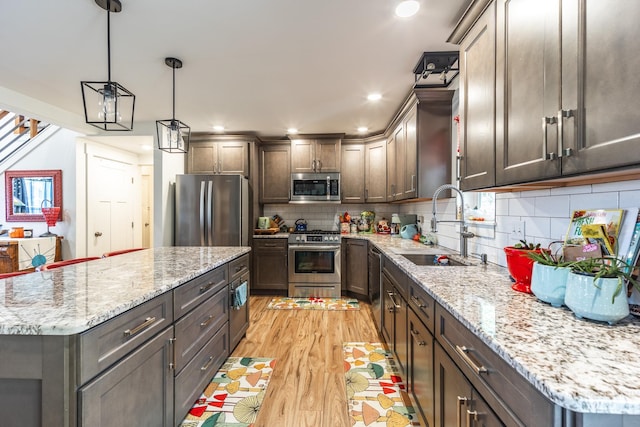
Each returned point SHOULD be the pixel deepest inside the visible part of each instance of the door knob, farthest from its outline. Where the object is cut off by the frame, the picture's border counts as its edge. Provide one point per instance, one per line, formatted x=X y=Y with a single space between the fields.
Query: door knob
x=97 y=234
x=146 y=224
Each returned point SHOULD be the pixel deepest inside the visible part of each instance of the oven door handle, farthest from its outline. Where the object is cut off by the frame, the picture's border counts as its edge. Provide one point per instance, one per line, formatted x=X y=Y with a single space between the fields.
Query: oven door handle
x=314 y=247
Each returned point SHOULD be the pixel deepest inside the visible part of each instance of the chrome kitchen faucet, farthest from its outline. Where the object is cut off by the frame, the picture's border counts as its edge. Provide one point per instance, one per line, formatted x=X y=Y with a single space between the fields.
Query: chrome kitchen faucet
x=464 y=233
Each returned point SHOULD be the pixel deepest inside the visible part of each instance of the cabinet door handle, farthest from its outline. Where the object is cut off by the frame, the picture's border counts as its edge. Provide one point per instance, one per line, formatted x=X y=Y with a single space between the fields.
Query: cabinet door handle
x=413 y=182
x=206 y=322
x=417 y=335
x=206 y=287
x=547 y=121
x=563 y=114
x=471 y=417
x=206 y=365
x=142 y=326
x=461 y=402
x=393 y=300
x=172 y=364
x=313 y=165
x=463 y=352
x=417 y=301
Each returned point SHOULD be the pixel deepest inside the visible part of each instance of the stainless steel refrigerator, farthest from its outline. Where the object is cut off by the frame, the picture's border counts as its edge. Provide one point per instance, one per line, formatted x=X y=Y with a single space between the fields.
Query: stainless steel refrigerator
x=211 y=210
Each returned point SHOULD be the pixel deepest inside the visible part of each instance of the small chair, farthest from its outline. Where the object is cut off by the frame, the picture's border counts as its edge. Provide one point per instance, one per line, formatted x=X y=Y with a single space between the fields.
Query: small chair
x=15 y=273
x=120 y=252
x=66 y=262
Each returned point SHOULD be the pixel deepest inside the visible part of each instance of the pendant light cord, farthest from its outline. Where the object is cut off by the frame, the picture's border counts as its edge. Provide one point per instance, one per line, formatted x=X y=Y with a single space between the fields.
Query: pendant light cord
x=109 y=41
x=174 y=92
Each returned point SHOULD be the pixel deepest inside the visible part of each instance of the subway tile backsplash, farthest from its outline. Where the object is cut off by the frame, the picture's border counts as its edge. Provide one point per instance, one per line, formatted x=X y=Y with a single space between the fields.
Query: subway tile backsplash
x=545 y=213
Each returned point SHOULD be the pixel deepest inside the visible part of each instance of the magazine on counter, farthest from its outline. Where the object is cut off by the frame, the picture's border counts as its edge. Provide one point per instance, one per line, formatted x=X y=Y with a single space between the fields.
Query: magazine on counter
x=609 y=218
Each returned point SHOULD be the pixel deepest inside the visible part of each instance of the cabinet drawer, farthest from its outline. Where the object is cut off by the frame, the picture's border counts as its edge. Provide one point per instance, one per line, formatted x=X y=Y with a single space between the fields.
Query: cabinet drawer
x=138 y=390
x=195 y=329
x=192 y=293
x=102 y=346
x=194 y=378
x=509 y=394
x=270 y=244
x=423 y=304
x=238 y=267
x=397 y=276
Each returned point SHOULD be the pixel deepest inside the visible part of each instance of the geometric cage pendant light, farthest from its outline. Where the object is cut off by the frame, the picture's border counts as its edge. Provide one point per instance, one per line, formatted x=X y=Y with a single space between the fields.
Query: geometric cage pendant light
x=107 y=104
x=173 y=135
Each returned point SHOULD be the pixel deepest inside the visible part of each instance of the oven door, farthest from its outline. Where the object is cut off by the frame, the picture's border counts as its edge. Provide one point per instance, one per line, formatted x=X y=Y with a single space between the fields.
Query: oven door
x=314 y=264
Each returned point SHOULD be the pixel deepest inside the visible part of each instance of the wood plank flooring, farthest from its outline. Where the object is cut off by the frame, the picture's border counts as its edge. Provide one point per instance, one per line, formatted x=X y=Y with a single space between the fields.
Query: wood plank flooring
x=307 y=387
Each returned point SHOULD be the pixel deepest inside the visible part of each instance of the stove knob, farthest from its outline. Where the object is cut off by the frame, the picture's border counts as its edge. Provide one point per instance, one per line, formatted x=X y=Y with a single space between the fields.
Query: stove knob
x=326 y=238
x=297 y=238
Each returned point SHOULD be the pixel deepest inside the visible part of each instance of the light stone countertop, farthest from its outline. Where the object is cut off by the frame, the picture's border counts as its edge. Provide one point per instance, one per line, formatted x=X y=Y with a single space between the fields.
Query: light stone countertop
x=580 y=365
x=278 y=235
x=74 y=298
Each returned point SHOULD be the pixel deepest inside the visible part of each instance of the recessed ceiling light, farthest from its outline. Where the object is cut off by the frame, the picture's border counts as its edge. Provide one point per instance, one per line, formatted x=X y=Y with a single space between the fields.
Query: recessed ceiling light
x=292 y=130
x=363 y=129
x=407 y=8
x=374 y=97
x=218 y=128
x=146 y=147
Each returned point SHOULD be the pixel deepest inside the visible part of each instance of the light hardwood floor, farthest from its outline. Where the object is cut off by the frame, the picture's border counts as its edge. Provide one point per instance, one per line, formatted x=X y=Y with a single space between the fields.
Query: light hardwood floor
x=307 y=387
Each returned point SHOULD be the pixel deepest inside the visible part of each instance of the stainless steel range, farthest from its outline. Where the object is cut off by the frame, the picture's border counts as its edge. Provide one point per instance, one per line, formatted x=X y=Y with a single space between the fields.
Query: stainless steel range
x=314 y=264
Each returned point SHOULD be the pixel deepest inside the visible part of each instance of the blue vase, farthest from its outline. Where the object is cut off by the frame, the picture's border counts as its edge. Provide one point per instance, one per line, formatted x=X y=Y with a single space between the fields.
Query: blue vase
x=592 y=300
x=548 y=283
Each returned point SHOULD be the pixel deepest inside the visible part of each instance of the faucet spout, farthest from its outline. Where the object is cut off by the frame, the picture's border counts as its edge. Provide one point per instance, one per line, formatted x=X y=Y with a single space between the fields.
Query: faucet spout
x=464 y=233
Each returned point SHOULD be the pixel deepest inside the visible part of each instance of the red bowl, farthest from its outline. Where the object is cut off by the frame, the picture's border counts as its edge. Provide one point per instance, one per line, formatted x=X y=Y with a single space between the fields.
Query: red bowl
x=520 y=267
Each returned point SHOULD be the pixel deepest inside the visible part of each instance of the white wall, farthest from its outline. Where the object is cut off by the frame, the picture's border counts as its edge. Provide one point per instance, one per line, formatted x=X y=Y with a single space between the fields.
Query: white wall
x=56 y=152
x=166 y=166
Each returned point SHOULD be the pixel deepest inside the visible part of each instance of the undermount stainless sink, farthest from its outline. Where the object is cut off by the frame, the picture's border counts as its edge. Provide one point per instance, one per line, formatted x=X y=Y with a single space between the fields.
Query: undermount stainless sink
x=428 y=260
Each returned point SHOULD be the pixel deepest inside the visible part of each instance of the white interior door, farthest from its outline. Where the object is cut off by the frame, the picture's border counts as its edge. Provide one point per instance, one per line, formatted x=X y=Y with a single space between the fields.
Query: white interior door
x=110 y=213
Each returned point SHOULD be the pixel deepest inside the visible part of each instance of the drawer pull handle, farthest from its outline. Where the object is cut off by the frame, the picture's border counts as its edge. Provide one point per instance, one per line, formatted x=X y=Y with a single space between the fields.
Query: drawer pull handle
x=461 y=402
x=393 y=300
x=206 y=365
x=417 y=335
x=206 y=322
x=418 y=302
x=463 y=352
x=142 y=326
x=471 y=417
x=206 y=287
x=172 y=364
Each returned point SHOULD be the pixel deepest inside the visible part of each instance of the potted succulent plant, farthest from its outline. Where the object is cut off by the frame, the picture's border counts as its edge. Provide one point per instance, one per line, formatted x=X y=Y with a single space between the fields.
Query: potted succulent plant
x=549 y=277
x=520 y=265
x=596 y=289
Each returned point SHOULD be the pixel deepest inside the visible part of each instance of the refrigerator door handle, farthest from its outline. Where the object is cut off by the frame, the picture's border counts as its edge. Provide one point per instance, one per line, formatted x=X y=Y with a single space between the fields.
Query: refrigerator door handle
x=210 y=219
x=202 y=213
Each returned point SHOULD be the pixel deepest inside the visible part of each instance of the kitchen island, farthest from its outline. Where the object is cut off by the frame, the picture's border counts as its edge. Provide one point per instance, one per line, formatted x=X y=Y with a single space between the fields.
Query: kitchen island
x=586 y=371
x=94 y=343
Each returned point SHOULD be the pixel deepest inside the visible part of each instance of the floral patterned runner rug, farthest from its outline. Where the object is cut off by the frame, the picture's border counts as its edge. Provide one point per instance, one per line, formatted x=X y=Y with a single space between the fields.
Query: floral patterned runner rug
x=234 y=396
x=377 y=396
x=313 y=303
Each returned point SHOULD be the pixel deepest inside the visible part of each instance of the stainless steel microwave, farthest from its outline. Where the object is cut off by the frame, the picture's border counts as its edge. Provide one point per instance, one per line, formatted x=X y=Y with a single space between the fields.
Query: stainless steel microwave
x=315 y=187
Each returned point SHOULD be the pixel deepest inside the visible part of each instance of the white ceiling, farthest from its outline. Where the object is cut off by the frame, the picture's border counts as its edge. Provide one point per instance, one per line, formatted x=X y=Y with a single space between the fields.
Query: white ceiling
x=251 y=65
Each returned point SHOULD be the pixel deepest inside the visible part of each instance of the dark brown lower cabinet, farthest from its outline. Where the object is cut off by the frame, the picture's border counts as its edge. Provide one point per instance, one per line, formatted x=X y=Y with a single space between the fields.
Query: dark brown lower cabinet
x=457 y=403
x=355 y=278
x=270 y=265
x=420 y=373
x=139 y=388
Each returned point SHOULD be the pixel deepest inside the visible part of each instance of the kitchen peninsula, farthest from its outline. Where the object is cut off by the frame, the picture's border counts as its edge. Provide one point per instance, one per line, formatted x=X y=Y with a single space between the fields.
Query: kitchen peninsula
x=116 y=341
x=534 y=364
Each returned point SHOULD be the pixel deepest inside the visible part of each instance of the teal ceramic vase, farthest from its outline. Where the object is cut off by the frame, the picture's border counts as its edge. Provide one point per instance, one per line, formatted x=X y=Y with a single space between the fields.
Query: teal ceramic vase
x=548 y=283
x=592 y=300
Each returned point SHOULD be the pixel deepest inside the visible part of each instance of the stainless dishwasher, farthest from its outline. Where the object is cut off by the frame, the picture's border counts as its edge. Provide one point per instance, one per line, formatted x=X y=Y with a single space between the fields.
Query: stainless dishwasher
x=375 y=284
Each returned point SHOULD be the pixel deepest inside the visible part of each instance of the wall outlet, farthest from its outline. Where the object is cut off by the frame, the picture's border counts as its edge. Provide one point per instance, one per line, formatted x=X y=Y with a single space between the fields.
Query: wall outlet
x=517 y=232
